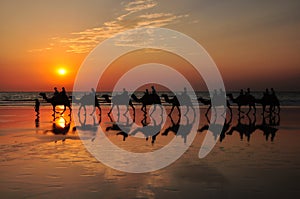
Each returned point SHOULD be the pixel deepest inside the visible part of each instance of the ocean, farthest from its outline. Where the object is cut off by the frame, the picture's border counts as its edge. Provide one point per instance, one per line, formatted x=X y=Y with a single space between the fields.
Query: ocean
x=287 y=99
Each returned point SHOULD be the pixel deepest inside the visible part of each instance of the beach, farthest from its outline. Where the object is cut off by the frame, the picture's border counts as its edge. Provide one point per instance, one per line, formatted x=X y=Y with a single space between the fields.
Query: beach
x=36 y=163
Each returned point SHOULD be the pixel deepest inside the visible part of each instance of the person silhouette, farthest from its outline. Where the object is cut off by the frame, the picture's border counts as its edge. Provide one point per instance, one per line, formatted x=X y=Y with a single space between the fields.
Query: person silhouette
x=273 y=92
x=146 y=92
x=125 y=92
x=63 y=91
x=242 y=92
x=93 y=92
x=37 y=107
x=55 y=91
x=248 y=92
x=222 y=93
x=153 y=90
x=266 y=92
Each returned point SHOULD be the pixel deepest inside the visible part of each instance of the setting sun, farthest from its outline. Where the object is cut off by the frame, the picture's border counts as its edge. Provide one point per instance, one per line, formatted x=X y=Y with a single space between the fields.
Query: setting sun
x=61 y=71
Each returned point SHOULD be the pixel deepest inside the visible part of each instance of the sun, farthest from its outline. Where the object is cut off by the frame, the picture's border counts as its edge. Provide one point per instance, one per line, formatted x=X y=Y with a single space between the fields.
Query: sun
x=62 y=71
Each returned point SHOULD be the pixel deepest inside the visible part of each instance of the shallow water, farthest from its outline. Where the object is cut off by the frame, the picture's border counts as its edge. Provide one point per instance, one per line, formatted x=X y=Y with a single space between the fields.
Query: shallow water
x=36 y=163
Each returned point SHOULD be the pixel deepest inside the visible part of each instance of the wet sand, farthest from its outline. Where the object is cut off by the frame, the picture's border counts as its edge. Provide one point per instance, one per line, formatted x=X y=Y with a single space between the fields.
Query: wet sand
x=35 y=163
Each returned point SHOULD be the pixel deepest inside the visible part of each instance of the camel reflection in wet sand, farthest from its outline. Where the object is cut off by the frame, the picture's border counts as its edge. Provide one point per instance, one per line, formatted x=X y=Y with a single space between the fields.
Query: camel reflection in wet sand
x=60 y=126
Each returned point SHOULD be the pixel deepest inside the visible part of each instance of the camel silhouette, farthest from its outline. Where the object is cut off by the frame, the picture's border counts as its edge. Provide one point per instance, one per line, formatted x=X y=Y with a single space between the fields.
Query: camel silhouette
x=243 y=100
x=186 y=101
x=208 y=102
x=148 y=99
x=271 y=101
x=56 y=101
x=117 y=101
x=88 y=100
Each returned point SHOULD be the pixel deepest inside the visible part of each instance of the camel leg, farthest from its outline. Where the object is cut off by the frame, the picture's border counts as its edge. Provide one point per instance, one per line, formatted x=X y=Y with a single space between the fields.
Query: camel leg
x=64 y=109
x=69 y=106
x=239 y=109
x=171 y=110
x=127 y=109
x=144 y=109
x=254 y=108
x=208 y=110
x=53 y=108
x=118 y=109
x=264 y=109
x=99 y=108
x=230 y=109
x=110 y=109
x=94 y=108
x=133 y=109
x=179 y=112
x=154 y=109
x=250 y=108
x=187 y=110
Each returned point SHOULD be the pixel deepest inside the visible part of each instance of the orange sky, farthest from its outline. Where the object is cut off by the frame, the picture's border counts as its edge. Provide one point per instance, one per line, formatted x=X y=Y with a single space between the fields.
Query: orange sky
x=254 y=44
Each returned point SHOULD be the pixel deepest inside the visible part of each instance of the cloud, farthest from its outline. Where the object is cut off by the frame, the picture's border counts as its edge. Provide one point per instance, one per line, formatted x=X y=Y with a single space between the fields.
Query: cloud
x=84 y=41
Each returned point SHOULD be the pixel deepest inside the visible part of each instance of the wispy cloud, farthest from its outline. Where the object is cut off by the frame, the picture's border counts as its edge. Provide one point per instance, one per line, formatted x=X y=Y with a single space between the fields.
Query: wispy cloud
x=131 y=17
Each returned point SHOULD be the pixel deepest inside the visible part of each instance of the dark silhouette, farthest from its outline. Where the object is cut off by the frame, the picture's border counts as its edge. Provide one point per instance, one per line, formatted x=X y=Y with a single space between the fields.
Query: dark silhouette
x=91 y=128
x=57 y=100
x=37 y=107
x=153 y=90
x=269 y=126
x=37 y=121
x=55 y=92
x=271 y=100
x=243 y=128
x=123 y=128
x=208 y=102
x=89 y=100
x=175 y=101
x=180 y=129
x=63 y=92
x=149 y=130
x=215 y=127
x=60 y=125
x=119 y=100
x=274 y=102
x=148 y=99
x=244 y=100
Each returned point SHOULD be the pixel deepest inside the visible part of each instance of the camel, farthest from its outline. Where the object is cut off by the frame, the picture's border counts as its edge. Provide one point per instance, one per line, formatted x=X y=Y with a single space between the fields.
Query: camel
x=208 y=102
x=243 y=100
x=88 y=100
x=271 y=101
x=148 y=99
x=57 y=100
x=186 y=100
x=117 y=101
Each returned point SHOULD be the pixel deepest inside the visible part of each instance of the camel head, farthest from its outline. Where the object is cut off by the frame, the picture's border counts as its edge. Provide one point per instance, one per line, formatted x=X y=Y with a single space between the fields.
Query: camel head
x=229 y=95
x=43 y=95
x=134 y=97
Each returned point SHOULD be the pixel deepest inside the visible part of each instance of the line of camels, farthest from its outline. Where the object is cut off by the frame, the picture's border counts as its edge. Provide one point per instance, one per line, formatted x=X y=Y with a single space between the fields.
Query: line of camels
x=267 y=101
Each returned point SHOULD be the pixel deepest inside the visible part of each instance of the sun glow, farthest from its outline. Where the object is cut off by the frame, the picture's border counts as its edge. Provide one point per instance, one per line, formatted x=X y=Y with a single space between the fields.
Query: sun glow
x=62 y=71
